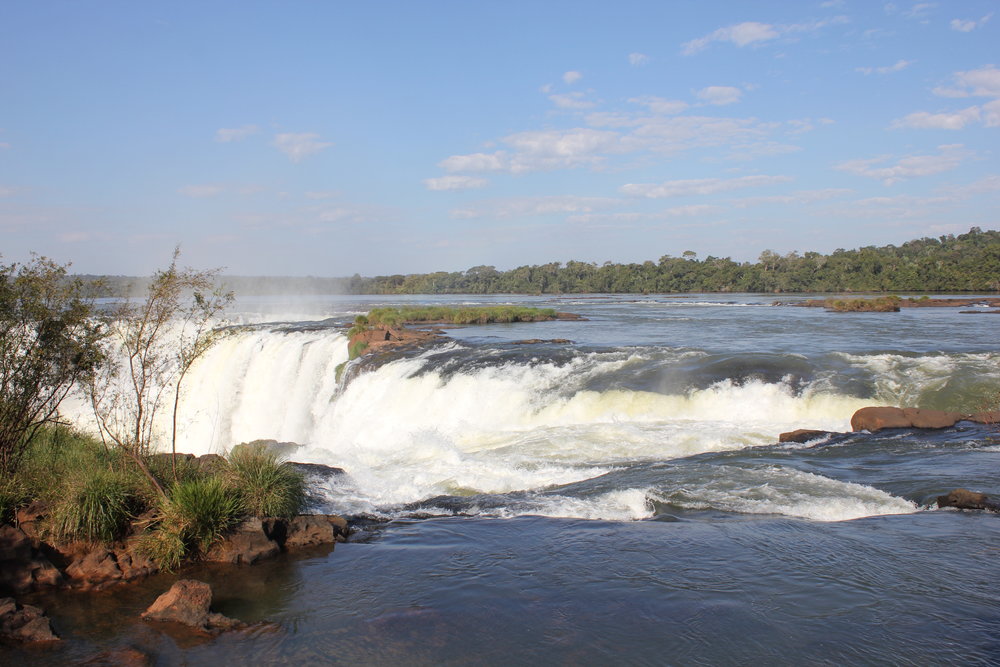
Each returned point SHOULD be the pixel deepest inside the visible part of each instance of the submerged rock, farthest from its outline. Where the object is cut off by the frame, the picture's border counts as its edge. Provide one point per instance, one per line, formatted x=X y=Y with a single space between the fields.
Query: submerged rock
x=968 y=500
x=24 y=622
x=189 y=602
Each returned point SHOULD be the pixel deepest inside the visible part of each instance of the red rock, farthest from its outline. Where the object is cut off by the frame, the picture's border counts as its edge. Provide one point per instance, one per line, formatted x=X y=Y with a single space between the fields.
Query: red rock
x=989 y=417
x=965 y=499
x=245 y=545
x=877 y=418
x=189 y=602
x=309 y=530
x=121 y=657
x=24 y=622
x=94 y=569
x=802 y=435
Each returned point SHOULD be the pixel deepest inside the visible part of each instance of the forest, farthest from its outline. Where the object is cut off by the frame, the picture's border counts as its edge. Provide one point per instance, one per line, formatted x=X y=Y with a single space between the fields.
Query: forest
x=964 y=263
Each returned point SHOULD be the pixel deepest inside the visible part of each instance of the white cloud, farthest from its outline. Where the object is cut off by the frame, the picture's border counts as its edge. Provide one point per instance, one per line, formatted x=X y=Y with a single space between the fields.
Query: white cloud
x=659 y=105
x=969 y=25
x=200 y=191
x=321 y=194
x=299 y=146
x=638 y=59
x=517 y=207
x=7 y=191
x=720 y=95
x=699 y=186
x=75 y=237
x=799 y=197
x=627 y=217
x=939 y=121
x=540 y=151
x=572 y=77
x=889 y=69
x=985 y=185
x=225 y=135
x=571 y=101
x=455 y=183
x=752 y=32
x=982 y=82
x=919 y=10
x=913 y=166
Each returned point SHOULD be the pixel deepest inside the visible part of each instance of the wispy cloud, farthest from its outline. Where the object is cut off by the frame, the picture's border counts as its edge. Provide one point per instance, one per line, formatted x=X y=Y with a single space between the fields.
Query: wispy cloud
x=638 y=59
x=516 y=207
x=982 y=82
x=200 y=191
x=950 y=157
x=752 y=32
x=572 y=77
x=969 y=25
x=455 y=182
x=698 y=186
x=923 y=120
x=889 y=69
x=8 y=190
x=226 y=135
x=574 y=100
x=719 y=95
x=299 y=146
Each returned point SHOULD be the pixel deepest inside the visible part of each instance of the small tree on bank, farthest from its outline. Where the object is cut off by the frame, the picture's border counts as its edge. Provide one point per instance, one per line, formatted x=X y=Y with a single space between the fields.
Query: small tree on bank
x=153 y=344
x=48 y=342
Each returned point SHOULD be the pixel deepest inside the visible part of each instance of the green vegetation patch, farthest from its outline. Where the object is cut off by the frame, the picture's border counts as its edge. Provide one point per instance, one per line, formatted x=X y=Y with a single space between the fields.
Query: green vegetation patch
x=394 y=317
x=882 y=304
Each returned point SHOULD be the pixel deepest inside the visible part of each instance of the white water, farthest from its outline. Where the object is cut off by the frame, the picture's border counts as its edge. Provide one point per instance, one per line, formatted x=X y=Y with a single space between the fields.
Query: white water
x=406 y=432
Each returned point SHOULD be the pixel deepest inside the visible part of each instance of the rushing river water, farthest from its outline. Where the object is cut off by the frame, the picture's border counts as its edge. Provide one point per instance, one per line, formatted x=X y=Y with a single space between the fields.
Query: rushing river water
x=620 y=499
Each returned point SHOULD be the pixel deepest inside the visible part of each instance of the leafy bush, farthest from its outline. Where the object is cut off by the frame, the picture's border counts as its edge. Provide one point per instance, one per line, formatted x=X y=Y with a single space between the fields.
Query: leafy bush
x=95 y=505
x=267 y=486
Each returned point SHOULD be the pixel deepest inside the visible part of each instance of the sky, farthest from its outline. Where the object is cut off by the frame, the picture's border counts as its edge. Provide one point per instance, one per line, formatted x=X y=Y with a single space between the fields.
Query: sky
x=333 y=138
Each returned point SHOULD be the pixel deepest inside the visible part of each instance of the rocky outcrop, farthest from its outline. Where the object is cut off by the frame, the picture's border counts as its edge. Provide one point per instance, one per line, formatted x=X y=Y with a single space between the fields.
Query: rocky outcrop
x=803 y=435
x=245 y=545
x=968 y=500
x=94 y=567
x=24 y=623
x=257 y=539
x=189 y=602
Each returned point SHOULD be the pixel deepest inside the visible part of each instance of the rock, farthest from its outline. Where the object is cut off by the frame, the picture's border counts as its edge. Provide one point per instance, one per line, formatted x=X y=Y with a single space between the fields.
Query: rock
x=210 y=463
x=29 y=518
x=309 y=530
x=877 y=418
x=247 y=544
x=94 y=569
x=189 y=602
x=317 y=470
x=22 y=566
x=125 y=656
x=803 y=435
x=968 y=500
x=991 y=417
x=24 y=623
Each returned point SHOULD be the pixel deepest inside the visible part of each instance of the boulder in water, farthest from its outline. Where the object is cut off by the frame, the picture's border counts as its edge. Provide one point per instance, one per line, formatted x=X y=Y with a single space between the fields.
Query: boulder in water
x=968 y=500
x=189 y=602
x=803 y=435
x=24 y=623
x=877 y=418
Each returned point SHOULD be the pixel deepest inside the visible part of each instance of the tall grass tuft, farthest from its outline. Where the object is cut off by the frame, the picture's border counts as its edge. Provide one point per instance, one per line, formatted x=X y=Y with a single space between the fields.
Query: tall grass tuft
x=96 y=506
x=12 y=496
x=267 y=486
x=195 y=515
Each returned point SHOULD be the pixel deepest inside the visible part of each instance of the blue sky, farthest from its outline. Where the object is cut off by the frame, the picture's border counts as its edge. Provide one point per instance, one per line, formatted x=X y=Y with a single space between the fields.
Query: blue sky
x=332 y=138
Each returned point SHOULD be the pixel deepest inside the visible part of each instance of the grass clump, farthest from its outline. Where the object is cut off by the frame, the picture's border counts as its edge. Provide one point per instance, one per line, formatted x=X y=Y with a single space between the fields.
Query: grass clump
x=195 y=515
x=882 y=304
x=12 y=496
x=96 y=506
x=266 y=486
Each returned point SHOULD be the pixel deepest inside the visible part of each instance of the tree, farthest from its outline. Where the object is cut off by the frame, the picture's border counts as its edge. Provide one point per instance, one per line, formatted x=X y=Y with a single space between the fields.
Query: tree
x=48 y=342
x=153 y=344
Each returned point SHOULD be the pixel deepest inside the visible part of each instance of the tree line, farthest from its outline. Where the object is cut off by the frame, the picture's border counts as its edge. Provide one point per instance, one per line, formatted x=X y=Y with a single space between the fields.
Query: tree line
x=967 y=262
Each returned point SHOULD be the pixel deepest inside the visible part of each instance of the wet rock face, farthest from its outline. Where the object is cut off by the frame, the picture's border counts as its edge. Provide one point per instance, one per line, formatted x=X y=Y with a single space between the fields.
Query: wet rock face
x=969 y=500
x=247 y=544
x=23 y=567
x=24 y=623
x=802 y=435
x=189 y=602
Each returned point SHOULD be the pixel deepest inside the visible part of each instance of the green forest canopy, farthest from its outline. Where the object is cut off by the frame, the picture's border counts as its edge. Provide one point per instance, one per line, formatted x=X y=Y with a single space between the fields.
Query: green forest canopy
x=964 y=263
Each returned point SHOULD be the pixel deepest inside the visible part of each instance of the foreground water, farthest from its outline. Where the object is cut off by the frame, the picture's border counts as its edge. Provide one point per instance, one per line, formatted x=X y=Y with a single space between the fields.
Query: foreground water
x=617 y=499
